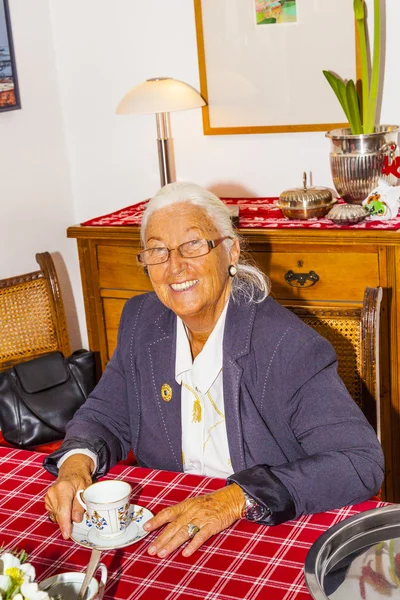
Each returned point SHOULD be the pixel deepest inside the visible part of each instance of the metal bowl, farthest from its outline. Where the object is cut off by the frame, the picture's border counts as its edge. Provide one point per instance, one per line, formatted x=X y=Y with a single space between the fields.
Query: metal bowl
x=338 y=565
x=305 y=202
x=305 y=210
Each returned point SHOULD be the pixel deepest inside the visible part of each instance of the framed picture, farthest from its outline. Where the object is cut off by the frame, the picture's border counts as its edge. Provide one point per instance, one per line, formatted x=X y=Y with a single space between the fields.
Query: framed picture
x=261 y=63
x=9 y=93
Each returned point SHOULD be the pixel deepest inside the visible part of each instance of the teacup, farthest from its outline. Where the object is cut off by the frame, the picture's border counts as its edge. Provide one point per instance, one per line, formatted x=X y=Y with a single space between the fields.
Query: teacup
x=69 y=584
x=107 y=506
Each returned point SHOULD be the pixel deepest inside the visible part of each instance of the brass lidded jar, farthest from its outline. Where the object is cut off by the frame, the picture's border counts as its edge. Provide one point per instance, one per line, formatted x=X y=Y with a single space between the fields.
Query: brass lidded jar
x=306 y=202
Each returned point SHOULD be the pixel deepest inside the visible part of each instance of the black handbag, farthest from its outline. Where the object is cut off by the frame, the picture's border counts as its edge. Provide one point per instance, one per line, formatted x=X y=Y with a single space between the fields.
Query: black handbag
x=40 y=396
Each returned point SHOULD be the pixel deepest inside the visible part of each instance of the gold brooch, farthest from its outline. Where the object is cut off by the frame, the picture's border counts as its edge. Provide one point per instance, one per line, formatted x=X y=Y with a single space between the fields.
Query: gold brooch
x=166 y=392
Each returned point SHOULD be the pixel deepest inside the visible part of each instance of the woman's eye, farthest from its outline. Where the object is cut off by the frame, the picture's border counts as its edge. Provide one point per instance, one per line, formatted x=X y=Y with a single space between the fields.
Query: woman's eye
x=194 y=243
x=156 y=251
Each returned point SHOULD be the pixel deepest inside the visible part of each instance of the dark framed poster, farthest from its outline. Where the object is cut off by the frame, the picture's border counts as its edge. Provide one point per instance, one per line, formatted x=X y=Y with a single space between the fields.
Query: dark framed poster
x=9 y=92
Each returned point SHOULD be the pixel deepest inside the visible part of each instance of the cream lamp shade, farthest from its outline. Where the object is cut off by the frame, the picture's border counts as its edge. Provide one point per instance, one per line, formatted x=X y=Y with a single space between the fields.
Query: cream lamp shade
x=161 y=95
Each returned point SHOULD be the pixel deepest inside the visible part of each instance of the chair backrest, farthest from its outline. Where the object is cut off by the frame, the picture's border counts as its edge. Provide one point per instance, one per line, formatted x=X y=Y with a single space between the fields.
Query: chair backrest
x=32 y=317
x=354 y=334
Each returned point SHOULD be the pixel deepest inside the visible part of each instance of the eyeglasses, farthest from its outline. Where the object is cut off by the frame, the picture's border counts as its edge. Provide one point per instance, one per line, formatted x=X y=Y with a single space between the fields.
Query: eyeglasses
x=192 y=249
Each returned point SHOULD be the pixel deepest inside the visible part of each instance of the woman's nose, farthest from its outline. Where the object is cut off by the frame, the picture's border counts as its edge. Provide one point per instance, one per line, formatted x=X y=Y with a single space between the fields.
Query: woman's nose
x=177 y=263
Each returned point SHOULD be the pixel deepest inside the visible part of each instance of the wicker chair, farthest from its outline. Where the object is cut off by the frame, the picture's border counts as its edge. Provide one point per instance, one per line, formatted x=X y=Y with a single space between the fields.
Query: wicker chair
x=32 y=320
x=354 y=333
x=32 y=317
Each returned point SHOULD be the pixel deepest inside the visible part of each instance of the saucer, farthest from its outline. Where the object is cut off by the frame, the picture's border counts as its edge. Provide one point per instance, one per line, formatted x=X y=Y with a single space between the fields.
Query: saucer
x=87 y=535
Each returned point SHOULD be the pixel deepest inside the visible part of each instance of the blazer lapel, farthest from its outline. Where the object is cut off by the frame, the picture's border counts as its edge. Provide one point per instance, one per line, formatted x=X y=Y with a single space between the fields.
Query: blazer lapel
x=238 y=329
x=166 y=391
x=161 y=353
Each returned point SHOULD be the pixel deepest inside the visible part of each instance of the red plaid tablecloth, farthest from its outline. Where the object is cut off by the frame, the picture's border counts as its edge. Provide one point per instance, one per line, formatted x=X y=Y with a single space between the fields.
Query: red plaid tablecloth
x=247 y=561
x=253 y=213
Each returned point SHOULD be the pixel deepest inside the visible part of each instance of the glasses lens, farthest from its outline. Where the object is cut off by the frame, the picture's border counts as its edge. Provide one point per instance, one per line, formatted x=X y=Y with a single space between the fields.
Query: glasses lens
x=154 y=256
x=194 y=248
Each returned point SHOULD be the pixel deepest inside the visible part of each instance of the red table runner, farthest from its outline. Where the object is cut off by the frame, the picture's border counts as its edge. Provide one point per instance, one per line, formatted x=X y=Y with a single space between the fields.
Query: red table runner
x=246 y=561
x=253 y=213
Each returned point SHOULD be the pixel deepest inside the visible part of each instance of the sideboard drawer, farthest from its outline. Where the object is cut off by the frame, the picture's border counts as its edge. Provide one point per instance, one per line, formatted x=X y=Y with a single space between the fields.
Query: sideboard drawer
x=340 y=276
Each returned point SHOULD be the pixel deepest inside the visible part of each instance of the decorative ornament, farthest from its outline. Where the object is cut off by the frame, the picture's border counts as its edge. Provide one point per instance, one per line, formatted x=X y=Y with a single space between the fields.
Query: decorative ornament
x=391 y=163
x=383 y=202
x=166 y=392
x=375 y=206
x=232 y=270
x=196 y=414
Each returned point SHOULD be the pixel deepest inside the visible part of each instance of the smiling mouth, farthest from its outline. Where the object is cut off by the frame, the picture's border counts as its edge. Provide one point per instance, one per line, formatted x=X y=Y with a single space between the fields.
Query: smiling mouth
x=185 y=285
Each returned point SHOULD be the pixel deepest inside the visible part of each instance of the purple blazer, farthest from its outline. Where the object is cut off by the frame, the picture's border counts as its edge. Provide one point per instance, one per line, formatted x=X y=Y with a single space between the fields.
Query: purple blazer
x=298 y=442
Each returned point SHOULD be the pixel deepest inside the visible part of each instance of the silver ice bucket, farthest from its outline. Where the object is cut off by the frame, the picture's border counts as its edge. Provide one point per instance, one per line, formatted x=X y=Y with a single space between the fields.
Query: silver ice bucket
x=357 y=160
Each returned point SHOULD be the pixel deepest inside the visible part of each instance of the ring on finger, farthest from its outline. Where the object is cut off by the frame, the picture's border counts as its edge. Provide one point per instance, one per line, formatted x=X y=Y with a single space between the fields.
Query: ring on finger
x=192 y=530
x=52 y=517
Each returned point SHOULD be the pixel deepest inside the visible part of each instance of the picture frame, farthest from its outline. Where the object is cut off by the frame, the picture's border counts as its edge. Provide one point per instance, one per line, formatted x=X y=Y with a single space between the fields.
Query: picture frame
x=9 y=90
x=263 y=78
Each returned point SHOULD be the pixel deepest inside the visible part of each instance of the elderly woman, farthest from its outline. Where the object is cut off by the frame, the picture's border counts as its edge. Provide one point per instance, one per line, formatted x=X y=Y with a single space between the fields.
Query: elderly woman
x=212 y=376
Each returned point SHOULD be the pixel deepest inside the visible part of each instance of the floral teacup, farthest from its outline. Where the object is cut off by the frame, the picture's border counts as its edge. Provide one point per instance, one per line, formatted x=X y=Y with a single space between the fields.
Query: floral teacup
x=107 y=506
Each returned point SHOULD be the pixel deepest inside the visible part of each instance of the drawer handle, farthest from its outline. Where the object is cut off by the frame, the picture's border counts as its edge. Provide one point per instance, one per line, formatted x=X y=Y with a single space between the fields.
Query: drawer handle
x=301 y=279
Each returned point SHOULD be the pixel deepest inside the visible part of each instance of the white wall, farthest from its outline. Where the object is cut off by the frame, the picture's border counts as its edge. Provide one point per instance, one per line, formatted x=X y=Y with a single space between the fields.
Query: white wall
x=391 y=91
x=102 y=49
x=35 y=196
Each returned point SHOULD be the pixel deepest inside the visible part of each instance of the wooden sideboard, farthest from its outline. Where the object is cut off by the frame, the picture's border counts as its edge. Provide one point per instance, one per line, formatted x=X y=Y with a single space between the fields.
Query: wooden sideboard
x=346 y=262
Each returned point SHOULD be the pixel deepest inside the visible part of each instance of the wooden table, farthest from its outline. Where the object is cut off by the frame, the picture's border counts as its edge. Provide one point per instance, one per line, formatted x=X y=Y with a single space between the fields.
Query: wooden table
x=246 y=561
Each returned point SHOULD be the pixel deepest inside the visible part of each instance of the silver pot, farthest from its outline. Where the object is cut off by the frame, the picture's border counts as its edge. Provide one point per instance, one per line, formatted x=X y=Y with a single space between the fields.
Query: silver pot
x=68 y=585
x=357 y=160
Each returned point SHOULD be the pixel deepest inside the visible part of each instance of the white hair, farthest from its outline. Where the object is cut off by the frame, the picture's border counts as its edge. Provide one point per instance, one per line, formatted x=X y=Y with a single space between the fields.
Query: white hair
x=250 y=283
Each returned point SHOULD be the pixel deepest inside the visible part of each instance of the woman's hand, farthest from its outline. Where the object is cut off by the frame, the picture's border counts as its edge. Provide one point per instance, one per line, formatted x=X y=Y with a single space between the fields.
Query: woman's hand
x=211 y=513
x=74 y=474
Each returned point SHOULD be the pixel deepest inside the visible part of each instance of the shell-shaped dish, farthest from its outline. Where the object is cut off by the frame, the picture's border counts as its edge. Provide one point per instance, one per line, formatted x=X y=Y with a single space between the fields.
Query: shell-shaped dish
x=347 y=214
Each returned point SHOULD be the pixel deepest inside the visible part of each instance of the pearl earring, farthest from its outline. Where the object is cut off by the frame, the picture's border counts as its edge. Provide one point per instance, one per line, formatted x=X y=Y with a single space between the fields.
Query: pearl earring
x=232 y=270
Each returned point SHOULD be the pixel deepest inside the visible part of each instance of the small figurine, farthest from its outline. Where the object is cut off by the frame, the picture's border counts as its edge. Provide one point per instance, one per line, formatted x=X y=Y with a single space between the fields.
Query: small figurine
x=374 y=205
x=383 y=202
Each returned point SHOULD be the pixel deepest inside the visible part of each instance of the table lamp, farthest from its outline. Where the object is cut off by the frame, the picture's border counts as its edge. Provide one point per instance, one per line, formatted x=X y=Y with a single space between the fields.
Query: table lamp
x=161 y=95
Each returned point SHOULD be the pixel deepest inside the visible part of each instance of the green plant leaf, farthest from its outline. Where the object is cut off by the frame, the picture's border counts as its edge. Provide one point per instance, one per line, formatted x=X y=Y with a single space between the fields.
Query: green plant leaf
x=339 y=88
x=369 y=125
x=343 y=98
x=362 y=112
x=359 y=12
x=354 y=108
x=359 y=9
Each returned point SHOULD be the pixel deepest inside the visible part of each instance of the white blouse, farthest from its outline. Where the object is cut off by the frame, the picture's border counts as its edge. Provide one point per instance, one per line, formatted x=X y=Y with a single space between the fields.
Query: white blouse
x=205 y=448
